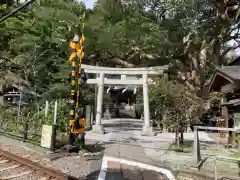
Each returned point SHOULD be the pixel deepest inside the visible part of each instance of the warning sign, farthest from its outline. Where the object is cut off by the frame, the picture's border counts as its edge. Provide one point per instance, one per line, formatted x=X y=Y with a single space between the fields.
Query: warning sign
x=46 y=136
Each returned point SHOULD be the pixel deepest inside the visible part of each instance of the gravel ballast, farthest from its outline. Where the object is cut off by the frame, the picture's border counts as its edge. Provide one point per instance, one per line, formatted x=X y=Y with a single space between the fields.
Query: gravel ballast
x=74 y=165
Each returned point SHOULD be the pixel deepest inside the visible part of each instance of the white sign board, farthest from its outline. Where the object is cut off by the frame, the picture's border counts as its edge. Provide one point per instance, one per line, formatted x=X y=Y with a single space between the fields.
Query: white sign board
x=46 y=136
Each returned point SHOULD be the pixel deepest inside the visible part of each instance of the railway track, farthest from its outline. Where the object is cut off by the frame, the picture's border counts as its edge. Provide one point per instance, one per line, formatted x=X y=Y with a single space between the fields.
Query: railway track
x=15 y=167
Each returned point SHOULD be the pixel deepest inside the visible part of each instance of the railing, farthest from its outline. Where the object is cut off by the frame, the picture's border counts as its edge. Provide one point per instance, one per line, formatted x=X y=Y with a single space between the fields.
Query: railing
x=196 y=147
x=223 y=158
x=197 y=152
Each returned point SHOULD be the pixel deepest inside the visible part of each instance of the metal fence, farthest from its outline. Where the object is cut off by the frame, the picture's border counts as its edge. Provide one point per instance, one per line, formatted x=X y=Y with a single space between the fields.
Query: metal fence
x=217 y=151
x=25 y=131
x=25 y=122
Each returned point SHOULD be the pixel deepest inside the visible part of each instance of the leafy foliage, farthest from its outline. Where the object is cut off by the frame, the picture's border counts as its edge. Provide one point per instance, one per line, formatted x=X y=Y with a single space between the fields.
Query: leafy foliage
x=37 y=40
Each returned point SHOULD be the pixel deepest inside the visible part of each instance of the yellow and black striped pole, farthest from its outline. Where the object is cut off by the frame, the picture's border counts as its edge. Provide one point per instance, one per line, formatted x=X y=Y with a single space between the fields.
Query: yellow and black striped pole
x=76 y=124
x=80 y=54
x=73 y=63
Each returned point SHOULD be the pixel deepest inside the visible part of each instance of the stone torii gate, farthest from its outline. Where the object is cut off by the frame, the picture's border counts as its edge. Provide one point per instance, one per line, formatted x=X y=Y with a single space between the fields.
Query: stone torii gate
x=124 y=73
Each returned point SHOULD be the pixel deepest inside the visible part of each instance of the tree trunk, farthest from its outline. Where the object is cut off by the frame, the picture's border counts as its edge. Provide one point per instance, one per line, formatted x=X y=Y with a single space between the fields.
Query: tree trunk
x=177 y=139
x=181 y=136
x=164 y=119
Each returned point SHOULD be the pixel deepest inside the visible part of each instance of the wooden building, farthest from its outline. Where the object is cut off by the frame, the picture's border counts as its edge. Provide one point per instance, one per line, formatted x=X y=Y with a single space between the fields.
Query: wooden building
x=121 y=101
x=15 y=94
x=14 y=89
x=226 y=80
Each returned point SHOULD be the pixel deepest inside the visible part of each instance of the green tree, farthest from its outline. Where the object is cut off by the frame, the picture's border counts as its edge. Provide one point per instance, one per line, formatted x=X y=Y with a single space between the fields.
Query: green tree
x=37 y=41
x=190 y=36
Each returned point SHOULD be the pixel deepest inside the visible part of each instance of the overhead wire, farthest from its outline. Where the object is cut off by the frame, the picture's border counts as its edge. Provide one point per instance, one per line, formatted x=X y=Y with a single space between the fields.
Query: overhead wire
x=16 y=10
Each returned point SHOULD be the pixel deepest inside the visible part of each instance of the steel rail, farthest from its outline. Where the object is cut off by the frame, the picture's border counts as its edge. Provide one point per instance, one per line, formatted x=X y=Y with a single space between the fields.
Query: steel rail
x=36 y=166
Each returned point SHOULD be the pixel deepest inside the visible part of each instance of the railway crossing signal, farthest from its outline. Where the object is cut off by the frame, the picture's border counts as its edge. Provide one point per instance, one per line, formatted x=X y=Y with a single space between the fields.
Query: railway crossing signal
x=78 y=77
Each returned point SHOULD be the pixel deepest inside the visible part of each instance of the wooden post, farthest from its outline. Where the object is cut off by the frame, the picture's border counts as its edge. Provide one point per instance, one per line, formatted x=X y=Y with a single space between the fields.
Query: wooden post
x=25 y=131
x=54 y=128
x=224 y=111
x=19 y=105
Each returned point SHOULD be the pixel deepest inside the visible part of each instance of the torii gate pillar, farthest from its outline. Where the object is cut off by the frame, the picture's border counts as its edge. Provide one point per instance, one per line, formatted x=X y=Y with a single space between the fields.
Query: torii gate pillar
x=98 y=128
x=147 y=129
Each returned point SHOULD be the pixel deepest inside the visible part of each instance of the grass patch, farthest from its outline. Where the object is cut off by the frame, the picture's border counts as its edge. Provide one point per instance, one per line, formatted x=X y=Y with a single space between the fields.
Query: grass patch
x=236 y=155
x=186 y=147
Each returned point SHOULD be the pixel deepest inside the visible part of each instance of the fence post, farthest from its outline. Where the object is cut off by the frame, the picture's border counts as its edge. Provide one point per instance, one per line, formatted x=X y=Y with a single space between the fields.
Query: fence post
x=54 y=128
x=25 y=131
x=196 y=146
x=19 y=106
x=46 y=108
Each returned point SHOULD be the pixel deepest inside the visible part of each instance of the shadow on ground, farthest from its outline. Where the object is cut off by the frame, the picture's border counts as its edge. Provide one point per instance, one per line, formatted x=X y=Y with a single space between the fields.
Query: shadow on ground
x=63 y=149
x=126 y=174
x=122 y=126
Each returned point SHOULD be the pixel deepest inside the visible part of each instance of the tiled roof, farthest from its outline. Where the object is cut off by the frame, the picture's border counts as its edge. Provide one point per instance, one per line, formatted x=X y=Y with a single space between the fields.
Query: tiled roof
x=229 y=73
x=232 y=72
x=14 y=78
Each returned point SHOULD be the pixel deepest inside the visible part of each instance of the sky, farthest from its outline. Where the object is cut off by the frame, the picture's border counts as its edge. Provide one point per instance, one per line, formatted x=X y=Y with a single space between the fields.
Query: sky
x=89 y=3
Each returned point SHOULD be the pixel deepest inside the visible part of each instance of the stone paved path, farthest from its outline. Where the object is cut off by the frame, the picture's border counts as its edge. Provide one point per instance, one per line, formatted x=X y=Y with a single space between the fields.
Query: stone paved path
x=124 y=158
x=128 y=170
x=129 y=162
